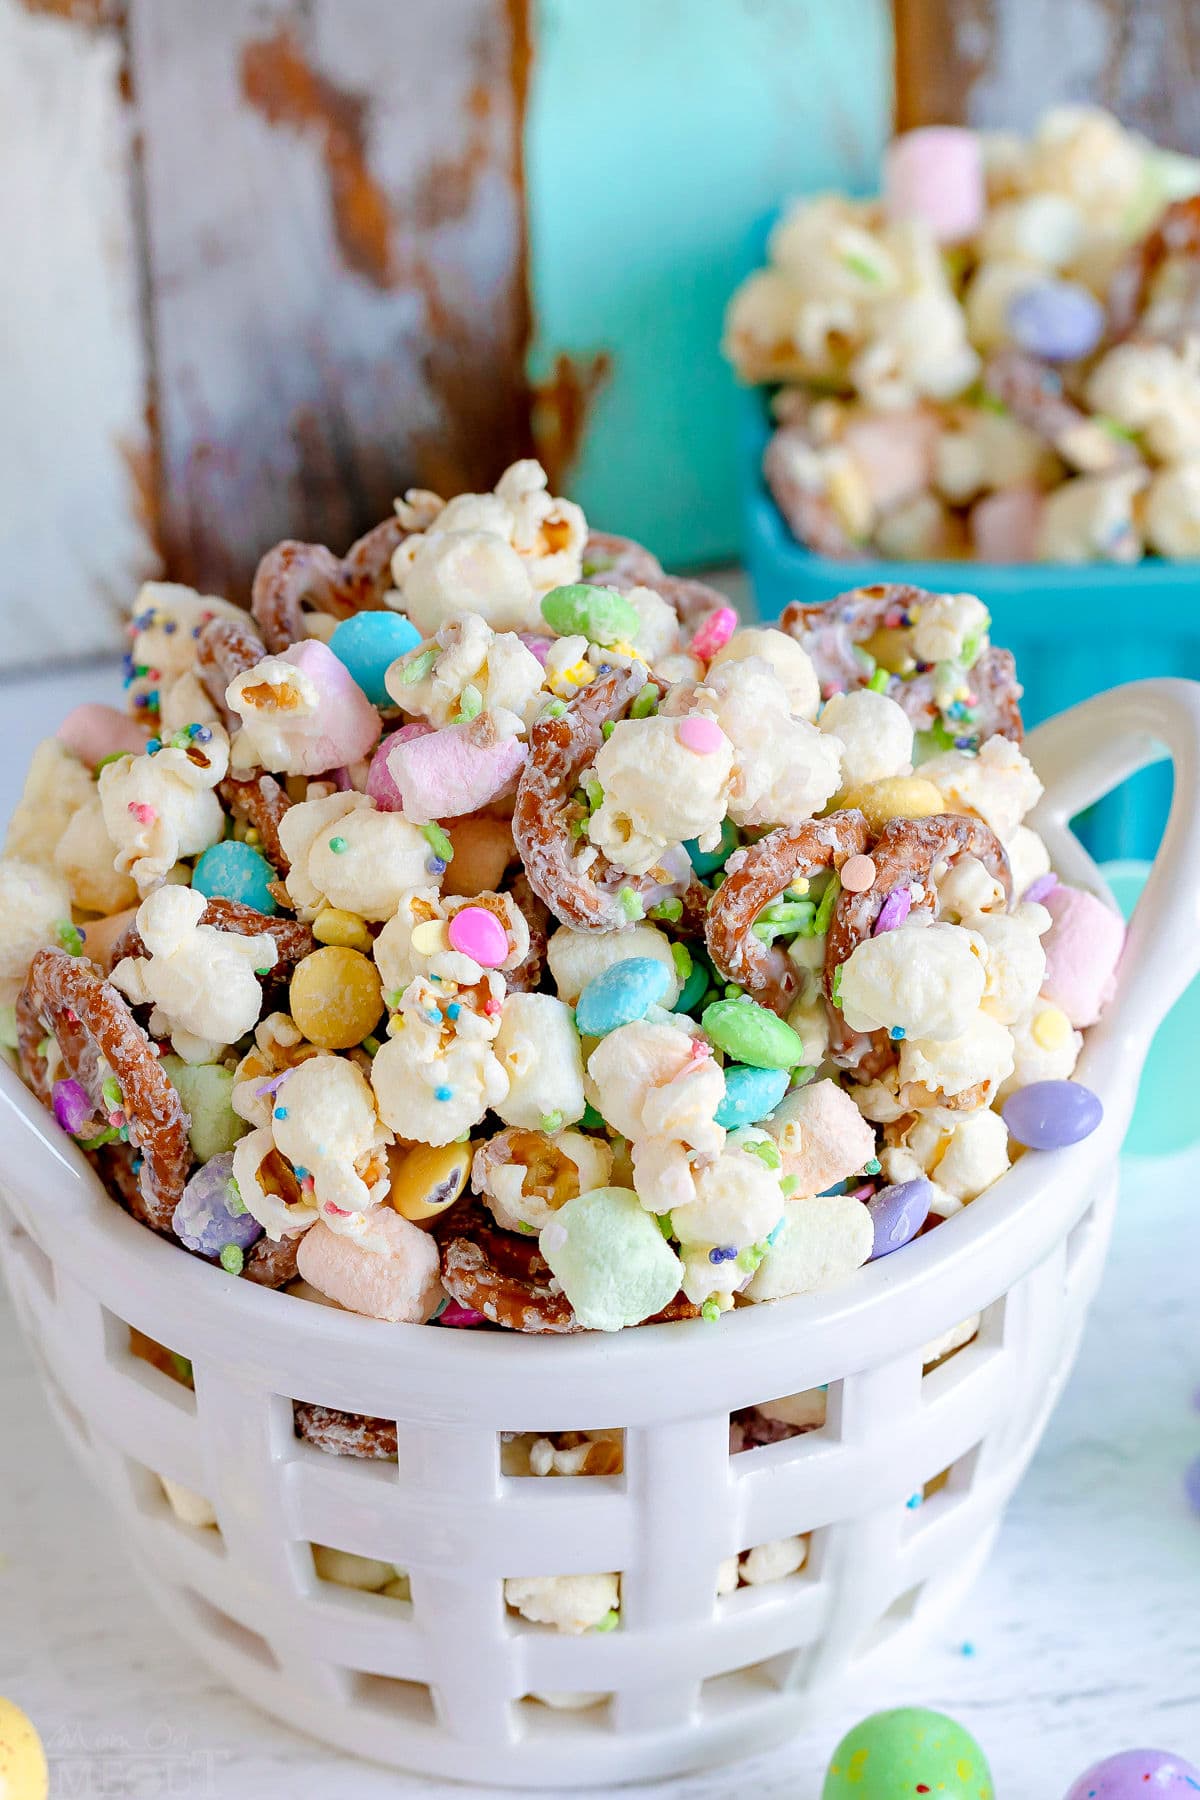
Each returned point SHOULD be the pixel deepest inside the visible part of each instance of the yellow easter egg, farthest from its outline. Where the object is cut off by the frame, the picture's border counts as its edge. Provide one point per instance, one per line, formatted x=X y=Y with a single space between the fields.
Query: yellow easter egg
x=895 y=797
x=428 y=1179
x=23 y=1771
x=333 y=925
x=335 y=997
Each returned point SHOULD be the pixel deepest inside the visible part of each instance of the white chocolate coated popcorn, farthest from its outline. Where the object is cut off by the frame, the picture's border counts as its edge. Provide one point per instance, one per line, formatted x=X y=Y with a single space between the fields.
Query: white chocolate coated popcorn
x=538 y=1048
x=435 y=1077
x=655 y=1079
x=1028 y=858
x=1172 y=516
x=950 y=628
x=570 y=1603
x=1153 y=389
x=738 y=1199
x=546 y=1170
x=278 y=1218
x=658 y=635
x=57 y=786
x=976 y=1155
x=926 y=979
x=1091 y=519
x=346 y=854
x=1016 y=962
x=998 y=784
x=773 y=1561
x=577 y=957
x=201 y=980
x=966 y=891
x=658 y=791
x=790 y=661
x=162 y=807
x=1046 y=1047
x=506 y=677
x=324 y=1121
x=33 y=901
x=980 y=1055
x=84 y=854
x=278 y=1044
x=874 y=734
x=784 y=769
x=167 y=618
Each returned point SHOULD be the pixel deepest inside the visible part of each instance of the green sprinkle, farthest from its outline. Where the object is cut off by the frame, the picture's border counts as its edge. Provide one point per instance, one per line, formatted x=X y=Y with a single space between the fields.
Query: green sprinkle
x=554 y=710
x=338 y=845
x=970 y=649
x=112 y=757
x=371 y=1045
x=630 y=905
x=552 y=1122
x=989 y=403
x=665 y=1225
x=750 y=1257
x=607 y=729
x=859 y=265
x=232 y=1259
x=864 y=659
x=609 y=1622
x=591 y=1120
x=829 y=900
x=710 y=1311
x=110 y=1135
x=645 y=702
x=69 y=937
x=594 y=790
x=45 y=1047
x=681 y=956
x=835 y=991
x=470 y=703
x=578 y=828
x=1115 y=428
x=235 y=1206
x=418 y=668
x=110 y=1093
x=879 y=682
x=525 y=1230
x=788 y=1185
x=393 y=999
x=438 y=842
x=669 y=911
x=767 y=1151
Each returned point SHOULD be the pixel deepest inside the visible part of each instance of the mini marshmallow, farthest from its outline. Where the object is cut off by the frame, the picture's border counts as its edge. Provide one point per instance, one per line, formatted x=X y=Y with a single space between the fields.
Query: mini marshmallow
x=936 y=175
x=578 y=957
x=822 y=1136
x=202 y=981
x=95 y=732
x=659 y=789
x=456 y=770
x=538 y=1048
x=302 y=712
x=324 y=1121
x=926 y=979
x=610 y=1259
x=1083 y=948
x=1005 y=527
x=822 y=1240
x=791 y=663
x=381 y=783
x=874 y=733
x=998 y=784
x=399 y=1281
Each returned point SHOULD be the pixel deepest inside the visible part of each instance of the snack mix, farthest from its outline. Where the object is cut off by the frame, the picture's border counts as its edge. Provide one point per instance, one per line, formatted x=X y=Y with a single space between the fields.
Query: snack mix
x=488 y=932
x=998 y=359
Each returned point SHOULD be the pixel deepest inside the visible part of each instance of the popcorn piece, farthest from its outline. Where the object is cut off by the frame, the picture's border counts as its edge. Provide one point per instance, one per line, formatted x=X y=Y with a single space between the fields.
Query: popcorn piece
x=570 y=1603
x=980 y=1056
x=998 y=784
x=822 y=1136
x=966 y=890
x=1153 y=389
x=1016 y=962
x=189 y=1507
x=84 y=854
x=951 y=628
x=1091 y=519
x=302 y=713
x=201 y=981
x=738 y=1201
x=538 y=1048
x=664 y=780
x=167 y=619
x=823 y=1239
x=324 y=1121
x=473 y=666
x=437 y=1076
x=610 y=1259
x=392 y=1274
x=790 y=661
x=1045 y=1048
x=578 y=957
x=268 y=1189
x=34 y=901
x=1173 y=511
x=56 y=786
x=658 y=635
x=344 y=853
x=784 y=769
x=774 y=1561
x=538 y=1173
x=651 y=1081
x=875 y=735
x=976 y=1155
x=1028 y=858
x=278 y=1044
x=928 y=980
x=162 y=807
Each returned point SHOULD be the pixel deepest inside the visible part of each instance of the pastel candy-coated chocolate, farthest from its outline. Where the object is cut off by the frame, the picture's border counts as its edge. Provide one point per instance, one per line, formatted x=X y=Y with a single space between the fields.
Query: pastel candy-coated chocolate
x=1083 y=947
x=600 y=614
x=898 y=1213
x=1056 y=320
x=694 y=988
x=751 y=1034
x=1005 y=525
x=206 y=1090
x=478 y=933
x=235 y=871
x=368 y=644
x=623 y=992
x=203 y=1219
x=94 y=732
x=610 y=1259
x=707 y=862
x=350 y=725
x=451 y=772
x=909 y=1750
x=1047 y=1115
x=936 y=175
x=22 y=1760
x=381 y=783
x=335 y=997
x=750 y=1094
x=1137 y=1775
x=428 y=1179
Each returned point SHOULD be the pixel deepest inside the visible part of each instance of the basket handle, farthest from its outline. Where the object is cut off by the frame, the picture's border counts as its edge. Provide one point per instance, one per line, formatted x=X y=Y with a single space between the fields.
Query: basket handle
x=1085 y=753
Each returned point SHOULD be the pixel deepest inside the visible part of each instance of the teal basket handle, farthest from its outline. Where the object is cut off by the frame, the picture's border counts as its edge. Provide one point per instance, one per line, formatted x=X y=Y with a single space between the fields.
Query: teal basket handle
x=1085 y=753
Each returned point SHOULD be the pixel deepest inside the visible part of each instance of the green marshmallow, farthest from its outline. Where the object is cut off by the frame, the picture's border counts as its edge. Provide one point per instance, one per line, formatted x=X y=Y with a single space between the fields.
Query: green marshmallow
x=610 y=1259
x=206 y=1090
x=749 y=1033
x=600 y=614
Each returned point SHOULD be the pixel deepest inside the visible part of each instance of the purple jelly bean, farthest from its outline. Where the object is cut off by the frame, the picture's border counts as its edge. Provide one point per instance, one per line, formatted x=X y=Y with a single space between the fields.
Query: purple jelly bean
x=1136 y=1774
x=894 y=911
x=207 y=1218
x=1048 y=1115
x=1056 y=320
x=898 y=1213
x=72 y=1108
x=1045 y=884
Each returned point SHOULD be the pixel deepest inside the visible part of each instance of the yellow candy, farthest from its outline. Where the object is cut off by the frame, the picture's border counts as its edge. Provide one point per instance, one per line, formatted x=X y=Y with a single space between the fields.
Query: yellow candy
x=891 y=646
x=430 y=937
x=1051 y=1028
x=333 y=925
x=428 y=1179
x=335 y=997
x=895 y=797
x=23 y=1771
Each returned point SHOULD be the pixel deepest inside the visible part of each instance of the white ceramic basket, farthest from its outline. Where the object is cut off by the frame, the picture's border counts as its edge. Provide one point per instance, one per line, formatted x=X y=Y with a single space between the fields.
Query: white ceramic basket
x=440 y=1685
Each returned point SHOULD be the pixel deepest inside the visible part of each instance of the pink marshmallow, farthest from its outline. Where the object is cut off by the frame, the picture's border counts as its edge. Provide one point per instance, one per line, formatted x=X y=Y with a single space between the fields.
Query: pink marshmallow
x=1083 y=947
x=936 y=175
x=380 y=783
x=1005 y=525
x=349 y=724
x=455 y=770
x=400 y=1283
x=94 y=732
x=895 y=454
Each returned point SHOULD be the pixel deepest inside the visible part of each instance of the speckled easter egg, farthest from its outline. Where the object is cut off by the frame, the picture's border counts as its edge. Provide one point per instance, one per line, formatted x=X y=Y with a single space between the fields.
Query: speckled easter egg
x=211 y=1214
x=910 y=1750
x=1138 y=1775
x=236 y=871
x=23 y=1771
x=368 y=644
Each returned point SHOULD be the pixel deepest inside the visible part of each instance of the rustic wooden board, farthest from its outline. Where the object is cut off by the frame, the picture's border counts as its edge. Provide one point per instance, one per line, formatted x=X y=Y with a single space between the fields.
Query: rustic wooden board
x=75 y=537
x=1001 y=62
x=336 y=235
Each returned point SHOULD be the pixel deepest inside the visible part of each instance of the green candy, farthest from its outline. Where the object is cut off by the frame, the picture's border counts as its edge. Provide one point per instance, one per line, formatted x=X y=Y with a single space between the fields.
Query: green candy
x=600 y=614
x=206 y=1090
x=749 y=1033
x=911 y=1750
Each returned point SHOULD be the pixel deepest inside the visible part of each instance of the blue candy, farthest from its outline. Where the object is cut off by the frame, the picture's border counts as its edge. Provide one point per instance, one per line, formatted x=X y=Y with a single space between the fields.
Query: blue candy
x=206 y=1218
x=236 y=871
x=1056 y=320
x=707 y=862
x=621 y=994
x=1047 y=1115
x=750 y=1094
x=369 y=644
x=898 y=1213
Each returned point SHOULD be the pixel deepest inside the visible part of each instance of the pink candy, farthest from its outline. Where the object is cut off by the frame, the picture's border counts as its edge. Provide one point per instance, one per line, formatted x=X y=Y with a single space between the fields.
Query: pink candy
x=704 y=736
x=714 y=634
x=455 y=770
x=1083 y=947
x=381 y=785
x=936 y=175
x=895 y=454
x=478 y=933
x=94 y=732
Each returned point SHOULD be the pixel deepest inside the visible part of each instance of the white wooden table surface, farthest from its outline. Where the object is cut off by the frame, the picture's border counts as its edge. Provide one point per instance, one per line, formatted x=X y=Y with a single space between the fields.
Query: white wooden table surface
x=1082 y=1633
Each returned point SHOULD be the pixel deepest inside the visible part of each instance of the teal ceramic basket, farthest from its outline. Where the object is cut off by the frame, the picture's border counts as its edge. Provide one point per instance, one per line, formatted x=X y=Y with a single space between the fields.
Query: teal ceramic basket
x=1075 y=631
